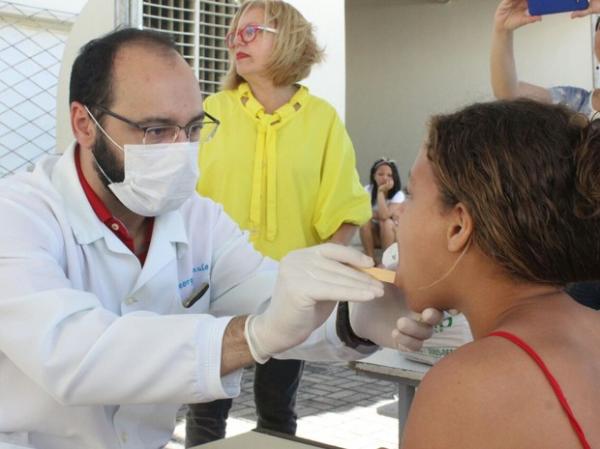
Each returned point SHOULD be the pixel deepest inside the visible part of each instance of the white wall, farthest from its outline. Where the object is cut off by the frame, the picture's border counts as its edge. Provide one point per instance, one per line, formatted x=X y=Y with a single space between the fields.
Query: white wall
x=409 y=59
x=328 y=80
x=96 y=18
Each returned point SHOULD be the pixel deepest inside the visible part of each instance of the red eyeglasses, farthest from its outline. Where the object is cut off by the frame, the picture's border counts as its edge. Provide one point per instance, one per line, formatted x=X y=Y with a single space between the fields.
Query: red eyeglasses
x=247 y=34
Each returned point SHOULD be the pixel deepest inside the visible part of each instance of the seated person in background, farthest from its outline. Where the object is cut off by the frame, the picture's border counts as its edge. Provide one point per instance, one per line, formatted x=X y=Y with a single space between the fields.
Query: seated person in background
x=511 y=15
x=385 y=190
x=502 y=210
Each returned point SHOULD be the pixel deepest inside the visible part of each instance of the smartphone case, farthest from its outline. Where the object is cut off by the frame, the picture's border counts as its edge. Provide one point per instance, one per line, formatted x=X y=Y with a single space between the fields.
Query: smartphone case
x=542 y=7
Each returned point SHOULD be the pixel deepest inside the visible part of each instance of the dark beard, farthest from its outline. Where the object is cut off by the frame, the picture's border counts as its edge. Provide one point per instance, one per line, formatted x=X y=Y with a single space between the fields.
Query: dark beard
x=107 y=160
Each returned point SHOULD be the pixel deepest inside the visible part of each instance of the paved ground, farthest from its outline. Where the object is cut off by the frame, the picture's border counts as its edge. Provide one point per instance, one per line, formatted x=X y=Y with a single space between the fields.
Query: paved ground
x=335 y=406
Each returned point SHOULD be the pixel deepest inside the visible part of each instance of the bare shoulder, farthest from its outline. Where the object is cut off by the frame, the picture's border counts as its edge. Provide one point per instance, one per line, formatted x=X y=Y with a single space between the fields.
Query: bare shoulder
x=467 y=398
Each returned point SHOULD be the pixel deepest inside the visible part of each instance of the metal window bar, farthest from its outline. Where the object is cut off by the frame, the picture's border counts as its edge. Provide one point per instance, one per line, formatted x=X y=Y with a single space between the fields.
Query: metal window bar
x=31 y=45
x=199 y=28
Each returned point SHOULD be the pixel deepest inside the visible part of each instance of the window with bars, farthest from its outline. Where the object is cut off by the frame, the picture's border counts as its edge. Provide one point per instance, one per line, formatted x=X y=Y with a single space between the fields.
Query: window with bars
x=199 y=28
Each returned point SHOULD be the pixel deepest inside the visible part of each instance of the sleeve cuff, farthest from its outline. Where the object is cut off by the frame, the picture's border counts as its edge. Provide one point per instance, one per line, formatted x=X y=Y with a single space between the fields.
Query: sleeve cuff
x=211 y=384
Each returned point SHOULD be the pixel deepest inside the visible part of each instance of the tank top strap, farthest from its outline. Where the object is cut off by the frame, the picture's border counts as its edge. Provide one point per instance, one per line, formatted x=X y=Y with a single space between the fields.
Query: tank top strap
x=551 y=379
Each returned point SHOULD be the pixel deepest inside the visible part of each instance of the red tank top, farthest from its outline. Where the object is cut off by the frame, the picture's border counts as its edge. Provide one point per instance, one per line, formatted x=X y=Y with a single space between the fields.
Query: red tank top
x=555 y=386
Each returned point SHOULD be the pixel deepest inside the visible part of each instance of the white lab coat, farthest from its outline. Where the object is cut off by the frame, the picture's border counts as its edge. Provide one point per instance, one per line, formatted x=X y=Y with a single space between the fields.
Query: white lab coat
x=97 y=351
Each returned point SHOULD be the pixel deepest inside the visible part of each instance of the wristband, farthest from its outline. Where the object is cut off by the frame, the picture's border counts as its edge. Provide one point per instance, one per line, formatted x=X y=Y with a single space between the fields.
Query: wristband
x=344 y=329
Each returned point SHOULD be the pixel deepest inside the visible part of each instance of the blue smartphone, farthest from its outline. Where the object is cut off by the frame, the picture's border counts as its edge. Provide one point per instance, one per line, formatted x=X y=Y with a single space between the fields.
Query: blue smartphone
x=542 y=7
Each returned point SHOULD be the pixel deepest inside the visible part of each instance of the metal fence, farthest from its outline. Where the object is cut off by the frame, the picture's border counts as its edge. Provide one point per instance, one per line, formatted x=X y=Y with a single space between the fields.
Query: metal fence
x=31 y=47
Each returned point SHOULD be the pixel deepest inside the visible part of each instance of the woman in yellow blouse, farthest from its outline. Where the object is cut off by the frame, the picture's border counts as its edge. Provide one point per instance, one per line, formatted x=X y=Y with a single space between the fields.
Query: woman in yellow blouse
x=283 y=166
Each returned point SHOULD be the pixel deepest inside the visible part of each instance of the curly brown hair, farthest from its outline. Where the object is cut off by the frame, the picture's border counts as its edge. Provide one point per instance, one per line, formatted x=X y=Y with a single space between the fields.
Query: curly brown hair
x=529 y=174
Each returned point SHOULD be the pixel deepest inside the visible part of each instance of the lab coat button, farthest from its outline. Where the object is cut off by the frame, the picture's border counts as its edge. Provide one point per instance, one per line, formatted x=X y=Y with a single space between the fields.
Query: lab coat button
x=124 y=437
x=130 y=301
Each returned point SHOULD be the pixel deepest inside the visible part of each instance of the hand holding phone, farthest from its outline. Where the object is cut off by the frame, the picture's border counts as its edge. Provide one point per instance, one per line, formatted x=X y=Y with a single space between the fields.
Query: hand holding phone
x=513 y=14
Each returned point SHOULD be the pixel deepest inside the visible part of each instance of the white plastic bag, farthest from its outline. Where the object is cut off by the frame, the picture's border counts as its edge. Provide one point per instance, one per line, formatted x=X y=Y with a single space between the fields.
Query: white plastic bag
x=450 y=334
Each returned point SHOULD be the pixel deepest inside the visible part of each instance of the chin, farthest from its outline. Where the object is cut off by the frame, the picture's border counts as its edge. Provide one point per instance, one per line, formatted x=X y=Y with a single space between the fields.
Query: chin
x=418 y=300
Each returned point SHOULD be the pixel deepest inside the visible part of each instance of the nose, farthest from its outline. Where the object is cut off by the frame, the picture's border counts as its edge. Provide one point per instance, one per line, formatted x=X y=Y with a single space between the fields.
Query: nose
x=237 y=41
x=182 y=136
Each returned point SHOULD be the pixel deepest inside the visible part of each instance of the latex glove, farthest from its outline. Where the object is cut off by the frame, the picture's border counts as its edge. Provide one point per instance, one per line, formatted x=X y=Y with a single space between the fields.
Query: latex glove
x=375 y=320
x=310 y=283
x=388 y=322
x=412 y=330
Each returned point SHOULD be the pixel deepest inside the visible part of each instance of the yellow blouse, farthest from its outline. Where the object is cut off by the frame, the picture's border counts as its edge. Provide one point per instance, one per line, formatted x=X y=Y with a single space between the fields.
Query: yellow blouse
x=288 y=177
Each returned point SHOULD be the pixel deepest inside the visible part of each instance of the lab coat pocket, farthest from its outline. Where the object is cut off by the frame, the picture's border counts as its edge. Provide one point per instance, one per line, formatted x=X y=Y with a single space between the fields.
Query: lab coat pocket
x=194 y=299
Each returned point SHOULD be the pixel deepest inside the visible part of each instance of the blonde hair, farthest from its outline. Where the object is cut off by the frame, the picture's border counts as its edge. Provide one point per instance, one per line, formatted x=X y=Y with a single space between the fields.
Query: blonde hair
x=295 y=50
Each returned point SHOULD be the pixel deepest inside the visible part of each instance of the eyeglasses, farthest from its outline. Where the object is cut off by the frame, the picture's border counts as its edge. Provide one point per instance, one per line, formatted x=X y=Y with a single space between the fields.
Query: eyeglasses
x=247 y=34
x=196 y=130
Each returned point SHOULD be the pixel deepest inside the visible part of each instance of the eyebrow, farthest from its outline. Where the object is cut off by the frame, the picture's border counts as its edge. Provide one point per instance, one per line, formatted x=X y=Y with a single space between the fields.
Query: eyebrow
x=168 y=121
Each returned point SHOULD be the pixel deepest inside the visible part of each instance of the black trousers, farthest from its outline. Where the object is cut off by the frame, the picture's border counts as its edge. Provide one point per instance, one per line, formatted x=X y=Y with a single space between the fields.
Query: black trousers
x=275 y=387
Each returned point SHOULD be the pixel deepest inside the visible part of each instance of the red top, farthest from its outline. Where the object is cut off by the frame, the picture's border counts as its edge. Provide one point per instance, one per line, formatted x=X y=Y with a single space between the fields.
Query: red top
x=112 y=222
x=555 y=386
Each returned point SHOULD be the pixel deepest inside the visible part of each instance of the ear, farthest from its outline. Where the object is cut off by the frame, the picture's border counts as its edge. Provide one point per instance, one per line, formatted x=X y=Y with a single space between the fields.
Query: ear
x=83 y=127
x=460 y=228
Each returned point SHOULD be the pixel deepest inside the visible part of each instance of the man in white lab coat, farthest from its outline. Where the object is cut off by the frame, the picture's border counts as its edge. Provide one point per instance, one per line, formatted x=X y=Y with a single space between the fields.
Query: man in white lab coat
x=123 y=294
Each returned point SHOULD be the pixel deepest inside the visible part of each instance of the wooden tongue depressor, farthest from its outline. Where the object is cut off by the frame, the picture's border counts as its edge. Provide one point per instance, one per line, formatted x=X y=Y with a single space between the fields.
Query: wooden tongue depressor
x=380 y=274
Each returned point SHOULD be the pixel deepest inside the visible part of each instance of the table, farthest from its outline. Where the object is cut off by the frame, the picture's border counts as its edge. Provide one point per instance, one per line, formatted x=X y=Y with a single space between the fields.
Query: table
x=389 y=364
x=264 y=440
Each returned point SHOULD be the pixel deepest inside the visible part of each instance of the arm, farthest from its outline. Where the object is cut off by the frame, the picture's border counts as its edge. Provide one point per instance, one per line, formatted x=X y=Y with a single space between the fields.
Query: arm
x=388 y=322
x=510 y=15
x=384 y=210
x=344 y=234
x=235 y=353
x=312 y=280
x=316 y=341
x=63 y=337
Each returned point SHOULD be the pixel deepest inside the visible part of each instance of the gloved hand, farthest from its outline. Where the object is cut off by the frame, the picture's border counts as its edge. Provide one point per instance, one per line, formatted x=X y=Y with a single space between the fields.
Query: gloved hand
x=309 y=284
x=388 y=322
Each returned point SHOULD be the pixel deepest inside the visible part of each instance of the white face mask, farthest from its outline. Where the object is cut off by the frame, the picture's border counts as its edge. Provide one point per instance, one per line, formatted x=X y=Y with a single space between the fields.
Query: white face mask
x=158 y=178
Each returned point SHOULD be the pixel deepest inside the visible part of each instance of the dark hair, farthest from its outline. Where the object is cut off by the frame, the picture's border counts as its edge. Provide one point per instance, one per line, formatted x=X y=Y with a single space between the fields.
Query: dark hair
x=91 y=75
x=529 y=174
x=395 y=176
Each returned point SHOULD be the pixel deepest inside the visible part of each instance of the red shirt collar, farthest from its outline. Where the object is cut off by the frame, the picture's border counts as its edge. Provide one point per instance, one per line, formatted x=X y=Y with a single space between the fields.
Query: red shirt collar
x=106 y=217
